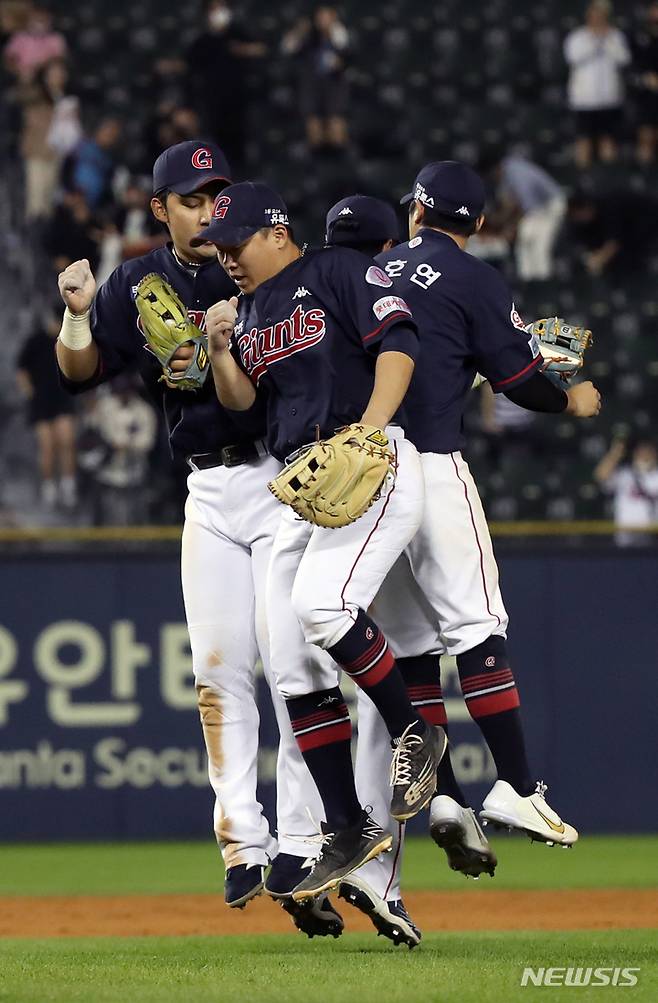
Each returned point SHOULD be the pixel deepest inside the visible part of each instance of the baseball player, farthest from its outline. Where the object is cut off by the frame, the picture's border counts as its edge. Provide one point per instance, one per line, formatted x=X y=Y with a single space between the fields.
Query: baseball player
x=447 y=544
x=230 y=522
x=319 y=348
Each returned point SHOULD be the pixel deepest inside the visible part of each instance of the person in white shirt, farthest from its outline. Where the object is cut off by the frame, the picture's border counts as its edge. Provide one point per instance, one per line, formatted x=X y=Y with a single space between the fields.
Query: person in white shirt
x=596 y=53
x=634 y=486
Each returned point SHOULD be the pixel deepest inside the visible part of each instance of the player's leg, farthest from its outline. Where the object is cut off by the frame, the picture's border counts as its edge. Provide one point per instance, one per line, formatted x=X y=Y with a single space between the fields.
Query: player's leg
x=219 y=604
x=299 y=807
x=338 y=576
x=453 y=561
x=413 y=629
x=374 y=888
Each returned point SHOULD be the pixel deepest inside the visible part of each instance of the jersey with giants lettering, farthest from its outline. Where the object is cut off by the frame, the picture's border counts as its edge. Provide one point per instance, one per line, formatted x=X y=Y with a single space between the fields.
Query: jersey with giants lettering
x=309 y=339
x=467 y=323
x=196 y=421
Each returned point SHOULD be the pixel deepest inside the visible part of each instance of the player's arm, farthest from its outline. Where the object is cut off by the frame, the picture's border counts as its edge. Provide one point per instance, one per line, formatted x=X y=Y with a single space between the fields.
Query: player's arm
x=77 y=353
x=235 y=390
x=392 y=378
x=538 y=393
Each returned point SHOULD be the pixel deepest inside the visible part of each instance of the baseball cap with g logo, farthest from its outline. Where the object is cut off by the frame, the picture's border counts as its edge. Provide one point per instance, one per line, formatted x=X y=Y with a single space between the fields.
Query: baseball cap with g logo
x=186 y=167
x=240 y=211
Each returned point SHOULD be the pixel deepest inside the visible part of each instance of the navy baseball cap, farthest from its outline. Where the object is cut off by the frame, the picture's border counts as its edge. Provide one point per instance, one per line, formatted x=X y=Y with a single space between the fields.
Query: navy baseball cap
x=361 y=219
x=186 y=167
x=240 y=211
x=450 y=187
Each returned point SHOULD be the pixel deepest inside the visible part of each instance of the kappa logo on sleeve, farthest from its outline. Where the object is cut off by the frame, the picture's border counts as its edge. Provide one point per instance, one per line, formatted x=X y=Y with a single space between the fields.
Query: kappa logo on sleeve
x=388 y=305
x=377 y=277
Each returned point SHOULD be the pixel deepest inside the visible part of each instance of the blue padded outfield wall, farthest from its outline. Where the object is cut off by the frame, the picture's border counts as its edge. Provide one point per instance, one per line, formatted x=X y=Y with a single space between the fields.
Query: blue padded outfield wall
x=99 y=732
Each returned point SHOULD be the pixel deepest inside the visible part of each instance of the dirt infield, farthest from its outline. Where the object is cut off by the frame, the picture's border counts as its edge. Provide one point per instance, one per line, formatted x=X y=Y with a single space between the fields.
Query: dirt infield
x=186 y=915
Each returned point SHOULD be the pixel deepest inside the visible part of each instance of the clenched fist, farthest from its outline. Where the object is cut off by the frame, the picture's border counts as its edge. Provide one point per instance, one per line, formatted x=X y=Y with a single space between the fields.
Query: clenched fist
x=77 y=286
x=220 y=321
x=584 y=400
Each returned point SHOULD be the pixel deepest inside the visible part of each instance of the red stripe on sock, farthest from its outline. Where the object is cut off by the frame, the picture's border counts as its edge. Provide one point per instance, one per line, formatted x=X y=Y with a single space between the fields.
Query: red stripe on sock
x=433 y=713
x=486 y=679
x=494 y=703
x=418 y=692
x=325 y=736
x=379 y=671
x=319 y=716
x=367 y=656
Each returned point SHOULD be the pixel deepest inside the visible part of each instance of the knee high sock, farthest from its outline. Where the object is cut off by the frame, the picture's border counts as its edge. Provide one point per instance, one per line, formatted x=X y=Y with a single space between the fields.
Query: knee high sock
x=322 y=727
x=421 y=676
x=493 y=702
x=363 y=653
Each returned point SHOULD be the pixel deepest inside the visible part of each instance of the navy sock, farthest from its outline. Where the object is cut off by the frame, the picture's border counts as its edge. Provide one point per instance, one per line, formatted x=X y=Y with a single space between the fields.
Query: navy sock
x=421 y=675
x=322 y=727
x=365 y=655
x=493 y=702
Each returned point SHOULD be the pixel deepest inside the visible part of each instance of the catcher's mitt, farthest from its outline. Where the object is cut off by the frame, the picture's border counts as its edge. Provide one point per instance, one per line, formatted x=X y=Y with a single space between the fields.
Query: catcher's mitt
x=166 y=327
x=562 y=345
x=334 y=481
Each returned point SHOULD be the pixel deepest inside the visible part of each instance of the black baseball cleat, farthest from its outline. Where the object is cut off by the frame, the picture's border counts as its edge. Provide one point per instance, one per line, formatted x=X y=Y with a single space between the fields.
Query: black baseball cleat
x=314 y=917
x=242 y=883
x=342 y=852
x=416 y=755
x=390 y=919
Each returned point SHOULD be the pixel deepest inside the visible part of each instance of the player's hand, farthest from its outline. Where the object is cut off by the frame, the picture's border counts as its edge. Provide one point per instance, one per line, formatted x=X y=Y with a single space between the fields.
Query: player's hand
x=220 y=321
x=584 y=400
x=77 y=286
x=182 y=357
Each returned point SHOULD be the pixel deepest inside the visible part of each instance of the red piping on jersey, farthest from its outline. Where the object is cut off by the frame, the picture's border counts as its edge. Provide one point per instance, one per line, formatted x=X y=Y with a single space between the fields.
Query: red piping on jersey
x=367 y=540
x=395 y=861
x=510 y=379
x=477 y=539
x=394 y=316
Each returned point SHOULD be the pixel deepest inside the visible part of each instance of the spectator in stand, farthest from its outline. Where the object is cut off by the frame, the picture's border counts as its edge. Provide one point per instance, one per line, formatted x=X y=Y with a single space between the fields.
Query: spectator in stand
x=91 y=167
x=216 y=80
x=630 y=475
x=596 y=54
x=31 y=48
x=617 y=230
x=644 y=78
x=50 y=127
x=320 y=45
x=126 y=429
x=533 y=205
x=74 y=233
x=132 y=230
x=51 y=412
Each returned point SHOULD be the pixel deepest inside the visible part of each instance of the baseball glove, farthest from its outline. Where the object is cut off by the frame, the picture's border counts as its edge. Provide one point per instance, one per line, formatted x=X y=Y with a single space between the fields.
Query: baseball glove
x=562 y=345
x=334 y=481
x=166 y=327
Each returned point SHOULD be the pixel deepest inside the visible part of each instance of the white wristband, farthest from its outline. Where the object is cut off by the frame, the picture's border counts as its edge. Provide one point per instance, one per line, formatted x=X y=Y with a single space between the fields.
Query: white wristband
x=75 y=332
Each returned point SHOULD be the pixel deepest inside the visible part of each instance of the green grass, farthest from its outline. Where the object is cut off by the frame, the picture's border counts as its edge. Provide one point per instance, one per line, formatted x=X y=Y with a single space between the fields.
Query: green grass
x=125 y=868
x=464 y=968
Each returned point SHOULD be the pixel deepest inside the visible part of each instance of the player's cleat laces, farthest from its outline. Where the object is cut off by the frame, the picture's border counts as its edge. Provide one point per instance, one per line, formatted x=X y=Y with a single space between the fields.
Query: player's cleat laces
x=416 y=755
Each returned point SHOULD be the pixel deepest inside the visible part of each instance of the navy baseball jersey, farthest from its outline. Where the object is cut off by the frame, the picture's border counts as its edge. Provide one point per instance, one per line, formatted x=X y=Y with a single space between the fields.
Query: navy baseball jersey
x=196 y=421
x=467 y=323
x=309 y=339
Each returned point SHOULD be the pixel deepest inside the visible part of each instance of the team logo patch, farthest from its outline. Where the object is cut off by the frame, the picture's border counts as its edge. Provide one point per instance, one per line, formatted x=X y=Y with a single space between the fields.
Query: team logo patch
x=388 y=305
x=369 y=633
x=490 y=662
x=516 y=319
x=377 y=277
x=415 y=241
x=220 y=208
x=202 y=159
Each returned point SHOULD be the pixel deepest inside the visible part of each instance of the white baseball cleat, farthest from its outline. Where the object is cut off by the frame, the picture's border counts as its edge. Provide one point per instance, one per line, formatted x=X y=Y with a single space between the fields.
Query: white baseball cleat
x=533 y=815
x=457 y=831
